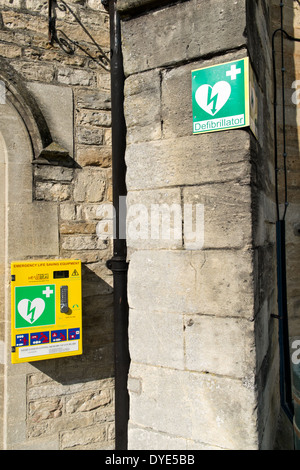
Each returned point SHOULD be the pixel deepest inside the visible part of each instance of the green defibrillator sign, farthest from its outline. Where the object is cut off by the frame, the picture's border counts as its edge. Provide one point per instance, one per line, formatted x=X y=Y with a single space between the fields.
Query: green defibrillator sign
x=221 y=97
x=35 y=306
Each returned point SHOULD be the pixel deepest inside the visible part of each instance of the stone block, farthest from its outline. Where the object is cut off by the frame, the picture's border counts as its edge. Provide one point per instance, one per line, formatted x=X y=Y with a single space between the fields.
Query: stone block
x=218 y=411
x=52 y=173
x=19 y=183
x=89 y=135
x=156 y=338
x=90 y=185
x=82 y=242
x=56 y=104
x=227 y=213
x=10 y=51
x=77 y=227
x=223 y=346
x=19 y=20
x=154 y=219
x=67 y=211
x=94 y=118
x=49 y=191
x=206 y=282
x=209 y=158
x=183 y=31
x=87 y=401
x=35 y=71
x=83 y=436
x=93 y=99
x=142 y=107
x=40 y=410
x=33 y=230
x=99 y=155
x=71 y=76
x=140 y=438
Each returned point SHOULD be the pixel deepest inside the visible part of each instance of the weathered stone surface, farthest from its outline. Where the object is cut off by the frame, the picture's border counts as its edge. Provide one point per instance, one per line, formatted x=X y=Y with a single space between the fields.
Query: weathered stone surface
x=10 y=51
x=84 y=402
x=99 y=155
x=140 y=439
x=223 y=346
x=92 y=434
x=227 y=213
x=156 y=338
x=77 y=227
x=172 y=162
x=52 y=191
x=93 y=99
x=17 y=20
x=173 y=33
x=35 y=230
x=209 y=278
x=143 y=107
x=67 y=211
x=37 y=72
x=69 y=76
x=45 y=409
x=87 y=242
x=90 y=185
x=90 y=136
x=52 y=173
x=94 y=118
x=56 y=104
x=204 y=405
x=154 y=219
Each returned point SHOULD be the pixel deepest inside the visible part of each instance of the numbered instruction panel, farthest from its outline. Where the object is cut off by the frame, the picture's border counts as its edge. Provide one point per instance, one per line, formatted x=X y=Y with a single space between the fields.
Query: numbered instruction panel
x=46 y=309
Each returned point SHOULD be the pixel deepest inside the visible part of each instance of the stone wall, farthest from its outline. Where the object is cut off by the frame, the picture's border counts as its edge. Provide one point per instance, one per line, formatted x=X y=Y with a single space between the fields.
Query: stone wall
x=203 y=344
x=65 y=403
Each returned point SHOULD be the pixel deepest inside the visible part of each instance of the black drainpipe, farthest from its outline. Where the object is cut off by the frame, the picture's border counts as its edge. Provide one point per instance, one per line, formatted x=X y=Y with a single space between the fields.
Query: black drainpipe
x=286 y=396
x=118 y=264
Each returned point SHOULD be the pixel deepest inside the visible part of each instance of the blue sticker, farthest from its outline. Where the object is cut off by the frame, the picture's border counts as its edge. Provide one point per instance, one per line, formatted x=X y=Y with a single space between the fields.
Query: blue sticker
x=22 y=340
x=58 y=335
x=39 y=338
x=74 y=333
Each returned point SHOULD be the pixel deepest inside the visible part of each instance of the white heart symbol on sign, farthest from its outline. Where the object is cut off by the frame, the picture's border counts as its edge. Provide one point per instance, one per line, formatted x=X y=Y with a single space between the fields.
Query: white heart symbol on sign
x=212 y=99
x=31 y=311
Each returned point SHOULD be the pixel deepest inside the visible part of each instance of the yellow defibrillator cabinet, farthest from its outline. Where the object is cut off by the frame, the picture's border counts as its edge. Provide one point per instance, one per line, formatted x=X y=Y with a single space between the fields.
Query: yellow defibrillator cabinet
x=46 y=310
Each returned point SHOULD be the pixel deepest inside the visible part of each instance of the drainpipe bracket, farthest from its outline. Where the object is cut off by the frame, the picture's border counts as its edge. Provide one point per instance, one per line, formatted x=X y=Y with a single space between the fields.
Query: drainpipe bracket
x=117 y=264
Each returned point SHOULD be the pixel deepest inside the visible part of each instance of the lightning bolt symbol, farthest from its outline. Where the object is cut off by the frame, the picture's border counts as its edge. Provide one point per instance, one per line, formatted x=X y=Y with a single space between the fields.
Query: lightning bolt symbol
x=32 y=314
x=212 y=100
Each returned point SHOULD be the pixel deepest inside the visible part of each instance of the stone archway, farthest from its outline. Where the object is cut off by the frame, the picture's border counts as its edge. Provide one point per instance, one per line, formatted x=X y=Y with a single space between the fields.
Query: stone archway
x=29 y=229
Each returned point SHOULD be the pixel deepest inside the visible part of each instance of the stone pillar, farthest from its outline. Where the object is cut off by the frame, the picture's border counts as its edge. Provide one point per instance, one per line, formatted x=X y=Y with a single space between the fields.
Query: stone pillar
x=203 y=346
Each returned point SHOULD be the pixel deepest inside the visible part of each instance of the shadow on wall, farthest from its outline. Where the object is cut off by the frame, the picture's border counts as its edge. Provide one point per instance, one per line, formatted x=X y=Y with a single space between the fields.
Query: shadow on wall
x=97 y=360
x=288 y=105
x=291 y=15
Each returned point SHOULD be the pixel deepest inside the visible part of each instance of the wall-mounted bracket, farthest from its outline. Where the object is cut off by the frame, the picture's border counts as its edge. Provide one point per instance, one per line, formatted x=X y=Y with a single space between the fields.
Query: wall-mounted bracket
x=68 y=45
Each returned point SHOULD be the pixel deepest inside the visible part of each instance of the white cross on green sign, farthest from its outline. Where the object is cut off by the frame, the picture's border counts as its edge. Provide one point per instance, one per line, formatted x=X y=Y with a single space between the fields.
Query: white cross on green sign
x=220 y=97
